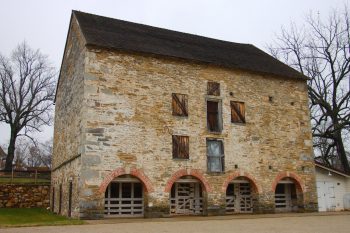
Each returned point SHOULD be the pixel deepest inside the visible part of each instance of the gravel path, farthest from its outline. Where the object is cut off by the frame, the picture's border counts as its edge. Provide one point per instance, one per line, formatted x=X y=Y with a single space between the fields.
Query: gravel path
x=307 y=224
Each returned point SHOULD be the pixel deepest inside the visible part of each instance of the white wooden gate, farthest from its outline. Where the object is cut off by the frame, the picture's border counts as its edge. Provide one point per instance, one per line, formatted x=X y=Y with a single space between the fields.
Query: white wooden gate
x=186 y=198
x=239 y=197
x=124 y=198
x=283 y=198
x=326 y=196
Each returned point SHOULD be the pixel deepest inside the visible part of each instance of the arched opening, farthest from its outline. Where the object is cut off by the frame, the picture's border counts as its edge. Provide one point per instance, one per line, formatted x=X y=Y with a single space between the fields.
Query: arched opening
x=239 y=195
x=288 y=195
x=187 y=196
x=124 y=197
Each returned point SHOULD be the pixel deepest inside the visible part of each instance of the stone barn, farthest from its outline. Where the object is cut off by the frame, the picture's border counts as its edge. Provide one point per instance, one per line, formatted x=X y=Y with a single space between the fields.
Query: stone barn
x=154 y=123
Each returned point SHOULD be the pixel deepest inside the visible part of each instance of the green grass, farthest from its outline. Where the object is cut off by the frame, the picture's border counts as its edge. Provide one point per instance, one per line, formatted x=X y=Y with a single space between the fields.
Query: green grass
x=18 y=180
x=18 y=217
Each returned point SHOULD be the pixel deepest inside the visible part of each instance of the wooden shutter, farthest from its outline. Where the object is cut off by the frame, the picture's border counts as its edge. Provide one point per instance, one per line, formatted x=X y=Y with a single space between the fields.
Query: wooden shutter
x=180 y=147
x=237 y=112
x=213 y=116
x=213 y=88
x=180 y=104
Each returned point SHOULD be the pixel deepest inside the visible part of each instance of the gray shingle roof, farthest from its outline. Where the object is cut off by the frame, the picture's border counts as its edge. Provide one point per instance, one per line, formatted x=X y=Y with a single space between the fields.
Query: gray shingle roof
x=122 y=35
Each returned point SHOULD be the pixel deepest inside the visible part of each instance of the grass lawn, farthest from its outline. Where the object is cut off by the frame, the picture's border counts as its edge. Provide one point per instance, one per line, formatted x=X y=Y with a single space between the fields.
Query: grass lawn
x=19 y=180
x=16 y=217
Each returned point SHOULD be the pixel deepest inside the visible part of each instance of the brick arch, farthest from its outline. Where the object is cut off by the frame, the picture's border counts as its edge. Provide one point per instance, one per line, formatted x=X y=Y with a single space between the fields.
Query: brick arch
x=183 y=172
x=298 y=181
x=237 y=174
x=138 y=173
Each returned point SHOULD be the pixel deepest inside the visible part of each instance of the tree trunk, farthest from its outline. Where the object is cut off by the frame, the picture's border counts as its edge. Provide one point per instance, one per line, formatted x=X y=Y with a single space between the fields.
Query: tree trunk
x=11 y=151
x=341 y=151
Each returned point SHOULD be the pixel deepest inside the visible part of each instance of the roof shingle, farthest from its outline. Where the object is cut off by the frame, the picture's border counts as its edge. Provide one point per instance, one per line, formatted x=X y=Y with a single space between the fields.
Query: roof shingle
x=122 y=35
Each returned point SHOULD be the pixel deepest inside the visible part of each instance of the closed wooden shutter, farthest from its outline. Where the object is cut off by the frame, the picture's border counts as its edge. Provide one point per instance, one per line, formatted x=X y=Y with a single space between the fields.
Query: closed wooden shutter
x=180 y=147
x=180 y=104
x=237 y=112
x=213 y=88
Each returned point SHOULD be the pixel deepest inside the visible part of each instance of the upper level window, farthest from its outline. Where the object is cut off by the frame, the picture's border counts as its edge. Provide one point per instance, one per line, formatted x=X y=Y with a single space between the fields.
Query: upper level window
x=213 y=88
x=214 y=115
x=237 y=112
x=180 y=104
x=215 y=155
x=180 y=147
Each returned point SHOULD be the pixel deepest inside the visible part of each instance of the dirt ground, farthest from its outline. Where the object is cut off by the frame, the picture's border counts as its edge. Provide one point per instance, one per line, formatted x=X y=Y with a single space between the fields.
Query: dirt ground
x=339 y=223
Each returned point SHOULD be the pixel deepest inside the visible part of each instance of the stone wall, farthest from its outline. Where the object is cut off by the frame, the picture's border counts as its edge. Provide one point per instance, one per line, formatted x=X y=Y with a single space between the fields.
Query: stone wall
x=68 y=124
x=24 y=196
x=129 y=124
x=114 y=117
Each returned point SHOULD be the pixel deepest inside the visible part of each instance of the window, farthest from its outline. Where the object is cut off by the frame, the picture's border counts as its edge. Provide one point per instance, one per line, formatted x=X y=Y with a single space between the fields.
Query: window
x=180 y=104
x=215 y=155
x=237 y=112
x=180 y=147
x=213 y=88
x=214 y=116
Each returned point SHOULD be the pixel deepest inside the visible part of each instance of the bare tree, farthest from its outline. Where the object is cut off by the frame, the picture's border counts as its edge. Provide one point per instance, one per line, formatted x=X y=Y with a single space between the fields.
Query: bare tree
x=20 y=159
x=27 y=88
x=320 y=50
x=40 y=154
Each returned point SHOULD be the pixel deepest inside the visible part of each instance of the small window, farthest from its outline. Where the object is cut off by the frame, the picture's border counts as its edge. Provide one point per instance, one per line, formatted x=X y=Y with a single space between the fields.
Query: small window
x=180 y=147
x=215 y=156
x=237 y=112
x=180 y=104
x=214 y=116
x=213 y=88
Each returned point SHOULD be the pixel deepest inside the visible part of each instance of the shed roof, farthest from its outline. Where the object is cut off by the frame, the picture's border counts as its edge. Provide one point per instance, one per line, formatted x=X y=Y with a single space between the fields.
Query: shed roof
x=122 y=35
x=331 y=169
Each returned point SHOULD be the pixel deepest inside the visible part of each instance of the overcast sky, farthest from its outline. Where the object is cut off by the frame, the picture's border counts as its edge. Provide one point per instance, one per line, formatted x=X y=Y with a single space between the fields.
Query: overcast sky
x=44 y=24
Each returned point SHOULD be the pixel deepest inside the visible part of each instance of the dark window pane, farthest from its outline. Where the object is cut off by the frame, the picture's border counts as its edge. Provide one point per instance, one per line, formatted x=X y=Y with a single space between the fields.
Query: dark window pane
x=173 y=191
x=293 y=191
x=280 y=188
x=126 y=190
x=137 y=190
x=230 y=190
x=114 y=190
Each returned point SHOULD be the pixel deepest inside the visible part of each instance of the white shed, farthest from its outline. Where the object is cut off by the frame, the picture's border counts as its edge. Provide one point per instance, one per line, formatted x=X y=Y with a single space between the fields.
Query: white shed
x=333 y=189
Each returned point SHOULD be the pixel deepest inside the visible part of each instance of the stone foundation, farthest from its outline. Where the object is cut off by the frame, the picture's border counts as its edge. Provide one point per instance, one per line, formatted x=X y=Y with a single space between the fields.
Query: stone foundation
x=24 y=196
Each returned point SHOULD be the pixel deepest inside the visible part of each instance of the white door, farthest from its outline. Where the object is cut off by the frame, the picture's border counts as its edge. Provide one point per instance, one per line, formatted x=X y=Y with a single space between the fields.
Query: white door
x=186 y=199
x=321 y=195
x=283 y=197
x=239 y=198
x=124 y=199
x=326 y=196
